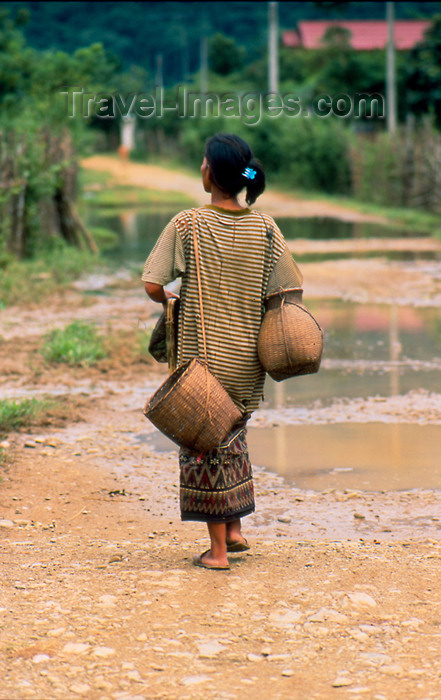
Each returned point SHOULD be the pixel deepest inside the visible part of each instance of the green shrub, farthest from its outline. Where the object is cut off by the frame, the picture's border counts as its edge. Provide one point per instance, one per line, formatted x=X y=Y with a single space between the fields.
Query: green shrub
x=104 y=237
x=305 y=153
x=400 y=170
x=77 y=344
x=19 y=414
x=308 y=153
x=24 y=281
x=195 y=132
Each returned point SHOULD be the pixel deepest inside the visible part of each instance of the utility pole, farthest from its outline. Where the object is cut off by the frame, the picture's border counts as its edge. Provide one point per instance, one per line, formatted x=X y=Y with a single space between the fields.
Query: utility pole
x=273 y=48
x=391 y=89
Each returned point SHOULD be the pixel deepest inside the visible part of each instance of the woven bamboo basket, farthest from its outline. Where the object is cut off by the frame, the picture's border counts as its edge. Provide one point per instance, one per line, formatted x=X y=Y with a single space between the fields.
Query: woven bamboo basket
x=192 y=408
x=290 y=341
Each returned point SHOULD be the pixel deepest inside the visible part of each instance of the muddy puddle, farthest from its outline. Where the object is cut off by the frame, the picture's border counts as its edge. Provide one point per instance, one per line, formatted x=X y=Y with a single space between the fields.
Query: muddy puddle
x=370 y=457
x=369 y=420
x=364 y=457
x=369 y=350
x=323 y=227
x=309 y=238
x=378 y=384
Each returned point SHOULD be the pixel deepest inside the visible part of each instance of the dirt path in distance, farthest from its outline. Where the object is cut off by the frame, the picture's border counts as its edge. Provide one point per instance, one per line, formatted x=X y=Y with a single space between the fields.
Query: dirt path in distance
x=159 y=178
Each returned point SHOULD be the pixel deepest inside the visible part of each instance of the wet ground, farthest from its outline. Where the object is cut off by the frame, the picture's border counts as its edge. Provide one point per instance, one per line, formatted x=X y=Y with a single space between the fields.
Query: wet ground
x=369 y=419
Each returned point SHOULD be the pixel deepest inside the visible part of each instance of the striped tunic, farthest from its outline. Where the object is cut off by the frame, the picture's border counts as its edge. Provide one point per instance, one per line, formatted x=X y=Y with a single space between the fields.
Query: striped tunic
x=236 y=274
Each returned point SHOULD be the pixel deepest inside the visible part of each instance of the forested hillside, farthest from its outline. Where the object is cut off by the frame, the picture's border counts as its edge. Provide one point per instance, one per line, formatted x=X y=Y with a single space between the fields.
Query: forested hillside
x=137 y=32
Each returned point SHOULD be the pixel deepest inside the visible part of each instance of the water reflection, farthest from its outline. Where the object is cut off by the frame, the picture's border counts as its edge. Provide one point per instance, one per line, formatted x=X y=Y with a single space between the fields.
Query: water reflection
x=372 y=456
x=369 y=350
x=315 y=228
x=138 y=230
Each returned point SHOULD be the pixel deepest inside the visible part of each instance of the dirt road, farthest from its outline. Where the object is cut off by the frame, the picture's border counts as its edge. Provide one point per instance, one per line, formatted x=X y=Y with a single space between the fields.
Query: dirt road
x=159 y=178
x=339 y=596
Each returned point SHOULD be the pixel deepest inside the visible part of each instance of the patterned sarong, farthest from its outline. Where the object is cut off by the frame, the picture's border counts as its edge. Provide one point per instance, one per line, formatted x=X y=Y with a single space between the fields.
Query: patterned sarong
x=218 y=485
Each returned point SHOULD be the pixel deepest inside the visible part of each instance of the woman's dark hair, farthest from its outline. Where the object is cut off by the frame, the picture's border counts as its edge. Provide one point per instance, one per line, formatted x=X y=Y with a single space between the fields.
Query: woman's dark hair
x=233 y=166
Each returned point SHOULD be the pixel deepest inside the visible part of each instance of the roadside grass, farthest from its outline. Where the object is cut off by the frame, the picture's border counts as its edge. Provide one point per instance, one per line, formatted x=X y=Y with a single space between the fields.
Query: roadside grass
x=141 y=345
x=408 y=219
x=57 y=265
x=77 y=344
x=404 y=218
x=124 y=196
x=100 y=190
x=28 y=281
x=80 y=345
x=128 y=348
x=23 y=413
x=28 y=413
x=104 y=237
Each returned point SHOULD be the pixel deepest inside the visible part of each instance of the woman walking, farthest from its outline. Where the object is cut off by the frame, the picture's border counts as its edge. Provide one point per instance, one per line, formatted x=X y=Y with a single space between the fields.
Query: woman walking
x=237 y=272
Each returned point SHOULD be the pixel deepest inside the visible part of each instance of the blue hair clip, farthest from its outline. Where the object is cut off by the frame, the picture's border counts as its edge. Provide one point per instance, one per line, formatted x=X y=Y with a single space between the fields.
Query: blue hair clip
x=249 y=173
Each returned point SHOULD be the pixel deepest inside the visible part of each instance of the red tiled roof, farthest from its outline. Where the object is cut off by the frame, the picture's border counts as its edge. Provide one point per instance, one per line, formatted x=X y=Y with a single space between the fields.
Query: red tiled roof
x=365 y=35
x=291 y=38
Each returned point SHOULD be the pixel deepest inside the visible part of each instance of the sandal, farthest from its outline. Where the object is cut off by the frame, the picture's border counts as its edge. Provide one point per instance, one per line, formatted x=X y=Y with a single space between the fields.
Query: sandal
x=197 y=561
x=238 y=546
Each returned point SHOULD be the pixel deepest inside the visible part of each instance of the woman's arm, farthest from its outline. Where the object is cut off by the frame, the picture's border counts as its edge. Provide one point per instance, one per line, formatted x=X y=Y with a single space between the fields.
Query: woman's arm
x=165 y=263
x=157 y=293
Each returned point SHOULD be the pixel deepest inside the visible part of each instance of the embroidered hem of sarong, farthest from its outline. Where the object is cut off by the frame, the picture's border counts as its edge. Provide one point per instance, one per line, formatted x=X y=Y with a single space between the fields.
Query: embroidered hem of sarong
x=215 y=518
x=217 y=486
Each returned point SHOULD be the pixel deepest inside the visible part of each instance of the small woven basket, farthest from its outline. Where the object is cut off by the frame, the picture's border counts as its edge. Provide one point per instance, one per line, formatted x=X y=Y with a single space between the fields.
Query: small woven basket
x=192 y=408
x=290 y=341
x=159 y=345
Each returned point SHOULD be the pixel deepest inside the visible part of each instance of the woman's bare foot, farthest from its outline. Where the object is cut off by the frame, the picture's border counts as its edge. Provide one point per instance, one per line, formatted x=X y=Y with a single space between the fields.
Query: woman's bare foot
x=234 y=538
x=216 y=556
x=208 y=561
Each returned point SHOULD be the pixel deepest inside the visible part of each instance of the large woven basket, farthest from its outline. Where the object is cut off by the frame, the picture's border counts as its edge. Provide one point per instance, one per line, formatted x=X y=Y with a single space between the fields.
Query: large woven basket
x=192 y=408
x=290 y=341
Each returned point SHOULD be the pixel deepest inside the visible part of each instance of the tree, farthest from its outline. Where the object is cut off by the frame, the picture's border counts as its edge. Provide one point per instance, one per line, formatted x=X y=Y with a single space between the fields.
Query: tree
x=224 y=56
x=16 y=60
x=38 y=160
x=340 y=69
x=424 y=74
